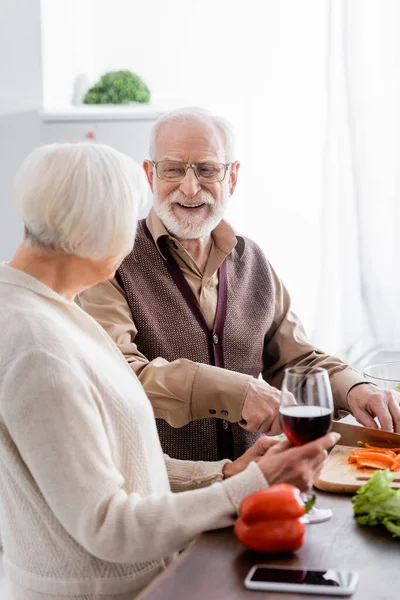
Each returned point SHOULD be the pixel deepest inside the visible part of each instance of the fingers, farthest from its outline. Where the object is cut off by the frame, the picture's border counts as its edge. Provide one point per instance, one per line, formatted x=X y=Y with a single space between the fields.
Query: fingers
x=330 y=440
x=260 y=407
x=394 y=410
x=297 y=465
x=367 y=402
x=365 y=419
x=261 y=446
x=271 y=426
x=275 y=428
x=381 y=410
x=317 y=472
x=312 y=467
x=315 y=448
x=280 y=447
x=327 y=441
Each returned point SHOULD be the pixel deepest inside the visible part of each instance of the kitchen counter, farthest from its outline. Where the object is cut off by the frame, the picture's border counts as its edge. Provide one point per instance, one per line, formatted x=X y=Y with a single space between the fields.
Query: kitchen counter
x=215 y=565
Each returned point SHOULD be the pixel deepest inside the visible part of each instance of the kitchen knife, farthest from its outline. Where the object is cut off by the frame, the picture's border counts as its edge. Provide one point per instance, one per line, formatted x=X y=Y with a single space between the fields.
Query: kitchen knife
x=352 y=434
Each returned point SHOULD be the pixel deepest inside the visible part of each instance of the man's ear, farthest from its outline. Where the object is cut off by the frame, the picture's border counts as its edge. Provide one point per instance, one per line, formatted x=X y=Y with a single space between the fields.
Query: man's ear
x=233 y=176
x=148 y=168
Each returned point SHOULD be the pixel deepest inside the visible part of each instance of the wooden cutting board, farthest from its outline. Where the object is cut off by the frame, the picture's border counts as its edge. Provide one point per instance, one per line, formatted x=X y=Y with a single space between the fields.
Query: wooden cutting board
x=342 y=477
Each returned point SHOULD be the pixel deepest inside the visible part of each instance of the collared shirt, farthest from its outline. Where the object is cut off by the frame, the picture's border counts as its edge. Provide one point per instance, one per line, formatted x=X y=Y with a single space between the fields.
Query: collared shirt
x=182 y=390
x=204 y=284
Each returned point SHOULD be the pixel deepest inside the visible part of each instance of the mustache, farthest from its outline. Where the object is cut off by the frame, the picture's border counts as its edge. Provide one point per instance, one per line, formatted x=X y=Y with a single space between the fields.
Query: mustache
x=202 y=197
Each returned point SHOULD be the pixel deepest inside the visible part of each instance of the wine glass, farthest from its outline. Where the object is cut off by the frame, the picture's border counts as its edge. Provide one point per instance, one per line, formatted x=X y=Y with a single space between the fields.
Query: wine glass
x=305 y=415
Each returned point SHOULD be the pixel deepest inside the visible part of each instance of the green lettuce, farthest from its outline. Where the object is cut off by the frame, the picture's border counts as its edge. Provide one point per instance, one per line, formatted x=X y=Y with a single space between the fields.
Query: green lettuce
x=376 y=503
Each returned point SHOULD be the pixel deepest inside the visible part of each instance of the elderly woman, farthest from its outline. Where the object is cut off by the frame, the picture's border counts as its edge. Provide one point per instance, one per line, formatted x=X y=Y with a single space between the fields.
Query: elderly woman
x=86 y=504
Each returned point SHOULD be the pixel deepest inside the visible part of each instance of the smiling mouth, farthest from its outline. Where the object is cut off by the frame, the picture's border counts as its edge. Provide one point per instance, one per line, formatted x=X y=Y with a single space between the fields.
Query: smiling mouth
x=191 y=205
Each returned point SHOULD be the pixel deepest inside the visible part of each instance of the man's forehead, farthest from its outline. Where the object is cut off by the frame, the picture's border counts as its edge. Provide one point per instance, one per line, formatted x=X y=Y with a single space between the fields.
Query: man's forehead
x=189 y=138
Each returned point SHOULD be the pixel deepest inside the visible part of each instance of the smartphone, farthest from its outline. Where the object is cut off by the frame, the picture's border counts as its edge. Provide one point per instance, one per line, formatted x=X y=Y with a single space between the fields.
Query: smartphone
x=286 y=579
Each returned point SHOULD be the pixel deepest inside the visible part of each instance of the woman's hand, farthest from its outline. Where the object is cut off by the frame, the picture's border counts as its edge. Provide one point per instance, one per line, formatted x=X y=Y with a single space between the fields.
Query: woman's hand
x=298 y=465
x=253 y=454
x=280 y=462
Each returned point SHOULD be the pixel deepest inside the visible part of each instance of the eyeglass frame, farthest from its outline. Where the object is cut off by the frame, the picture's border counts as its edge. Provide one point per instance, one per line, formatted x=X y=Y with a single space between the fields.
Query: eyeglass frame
x=190 y=166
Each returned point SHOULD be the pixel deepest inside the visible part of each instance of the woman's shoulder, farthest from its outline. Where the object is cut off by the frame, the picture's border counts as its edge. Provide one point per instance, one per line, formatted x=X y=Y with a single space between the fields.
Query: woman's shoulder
x=36 y=327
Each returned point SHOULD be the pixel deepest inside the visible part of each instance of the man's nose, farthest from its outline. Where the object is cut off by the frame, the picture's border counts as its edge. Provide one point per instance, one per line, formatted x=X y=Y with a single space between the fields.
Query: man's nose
x=189 y=184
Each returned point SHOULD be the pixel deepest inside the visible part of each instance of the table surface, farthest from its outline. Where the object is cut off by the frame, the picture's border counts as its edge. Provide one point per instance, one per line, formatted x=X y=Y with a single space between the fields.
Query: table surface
x=215 y=565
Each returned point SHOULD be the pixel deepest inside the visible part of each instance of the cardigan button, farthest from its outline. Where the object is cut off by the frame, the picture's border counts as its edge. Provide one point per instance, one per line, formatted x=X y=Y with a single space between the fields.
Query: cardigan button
x=225 y=424
x=215 y=338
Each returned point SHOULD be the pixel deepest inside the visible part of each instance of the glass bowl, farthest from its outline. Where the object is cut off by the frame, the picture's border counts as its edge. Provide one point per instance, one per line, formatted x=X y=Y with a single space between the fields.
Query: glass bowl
x=384 y=375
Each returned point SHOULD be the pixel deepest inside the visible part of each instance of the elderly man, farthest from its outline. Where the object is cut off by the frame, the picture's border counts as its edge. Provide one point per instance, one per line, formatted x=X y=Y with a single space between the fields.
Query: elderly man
x=199 y=312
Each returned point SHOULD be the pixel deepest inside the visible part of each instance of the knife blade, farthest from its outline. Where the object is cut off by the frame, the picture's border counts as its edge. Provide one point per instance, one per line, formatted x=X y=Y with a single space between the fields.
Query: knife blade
x=352 y=434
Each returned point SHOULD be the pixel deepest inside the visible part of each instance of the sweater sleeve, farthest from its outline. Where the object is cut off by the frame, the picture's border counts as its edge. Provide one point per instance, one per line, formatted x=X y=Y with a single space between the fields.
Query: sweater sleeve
x=189 y=475
x=54 y=419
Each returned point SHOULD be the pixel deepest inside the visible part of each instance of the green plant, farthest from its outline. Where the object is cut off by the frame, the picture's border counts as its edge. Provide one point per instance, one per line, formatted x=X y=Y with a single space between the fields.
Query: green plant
x=118 y=87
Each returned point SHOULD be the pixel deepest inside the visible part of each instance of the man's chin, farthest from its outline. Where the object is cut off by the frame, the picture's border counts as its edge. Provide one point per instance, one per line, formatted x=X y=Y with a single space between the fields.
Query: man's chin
x=198 y=228
x=187 y=227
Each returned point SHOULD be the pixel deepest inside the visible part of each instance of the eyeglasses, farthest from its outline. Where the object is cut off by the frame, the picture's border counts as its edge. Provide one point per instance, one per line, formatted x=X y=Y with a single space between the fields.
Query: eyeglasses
x=174 y=170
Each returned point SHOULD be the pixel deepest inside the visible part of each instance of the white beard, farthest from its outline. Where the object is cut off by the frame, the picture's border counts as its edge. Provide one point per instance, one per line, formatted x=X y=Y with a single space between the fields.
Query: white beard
x=191 y=226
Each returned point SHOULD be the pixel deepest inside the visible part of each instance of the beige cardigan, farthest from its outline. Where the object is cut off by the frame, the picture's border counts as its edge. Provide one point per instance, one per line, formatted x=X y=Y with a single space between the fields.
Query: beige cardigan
x=86 y=508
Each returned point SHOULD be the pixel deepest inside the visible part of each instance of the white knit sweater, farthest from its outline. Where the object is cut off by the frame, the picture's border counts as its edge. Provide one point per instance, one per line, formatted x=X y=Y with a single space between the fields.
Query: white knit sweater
x=86 y=508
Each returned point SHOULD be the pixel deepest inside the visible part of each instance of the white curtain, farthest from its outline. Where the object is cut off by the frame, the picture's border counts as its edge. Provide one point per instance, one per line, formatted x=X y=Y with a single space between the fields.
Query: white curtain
x=262 y=66
x=313 y=91
x=359 y=291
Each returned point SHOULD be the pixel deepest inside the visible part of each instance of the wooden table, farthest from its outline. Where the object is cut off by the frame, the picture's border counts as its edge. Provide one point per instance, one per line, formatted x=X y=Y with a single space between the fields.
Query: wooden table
x=215 y=565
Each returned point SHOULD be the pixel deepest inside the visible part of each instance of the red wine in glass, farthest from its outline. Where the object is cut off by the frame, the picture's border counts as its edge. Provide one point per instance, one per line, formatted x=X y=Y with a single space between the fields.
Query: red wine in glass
x=302 y=424
x=306 y=414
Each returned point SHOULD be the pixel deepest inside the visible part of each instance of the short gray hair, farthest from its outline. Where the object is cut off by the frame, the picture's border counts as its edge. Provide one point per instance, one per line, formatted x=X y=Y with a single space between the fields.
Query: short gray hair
x=195 y=115
x=82 y=199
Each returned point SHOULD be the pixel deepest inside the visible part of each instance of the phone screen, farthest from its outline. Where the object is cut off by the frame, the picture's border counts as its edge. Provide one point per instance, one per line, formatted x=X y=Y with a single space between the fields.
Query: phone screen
x=300 y=576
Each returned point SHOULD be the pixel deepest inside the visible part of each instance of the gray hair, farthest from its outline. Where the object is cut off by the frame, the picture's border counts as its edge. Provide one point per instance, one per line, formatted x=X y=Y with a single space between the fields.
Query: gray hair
x=200 y=116
x=82 y=199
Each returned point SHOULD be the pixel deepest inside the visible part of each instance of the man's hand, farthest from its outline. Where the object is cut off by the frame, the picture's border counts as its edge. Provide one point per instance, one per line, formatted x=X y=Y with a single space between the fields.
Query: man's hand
x=367 y=401
x=297 y=465
x=253 y=454
x=261 y=408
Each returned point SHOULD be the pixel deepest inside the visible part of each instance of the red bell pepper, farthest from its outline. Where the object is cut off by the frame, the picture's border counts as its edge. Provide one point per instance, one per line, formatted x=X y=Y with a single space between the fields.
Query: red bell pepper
x=270 y=520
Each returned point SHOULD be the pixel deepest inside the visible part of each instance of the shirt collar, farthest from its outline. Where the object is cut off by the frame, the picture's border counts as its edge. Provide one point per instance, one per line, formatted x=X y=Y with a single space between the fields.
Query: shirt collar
x=224 y=236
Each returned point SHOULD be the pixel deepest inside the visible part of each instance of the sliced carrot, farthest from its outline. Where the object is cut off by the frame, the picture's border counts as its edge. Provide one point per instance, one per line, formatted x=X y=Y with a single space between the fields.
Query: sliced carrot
x=377 y=456
x=370 y=463
x=375 y=460
x=363 y=451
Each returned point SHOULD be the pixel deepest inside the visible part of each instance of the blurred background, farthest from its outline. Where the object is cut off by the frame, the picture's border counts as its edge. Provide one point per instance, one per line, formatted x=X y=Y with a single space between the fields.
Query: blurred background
x=312 y=89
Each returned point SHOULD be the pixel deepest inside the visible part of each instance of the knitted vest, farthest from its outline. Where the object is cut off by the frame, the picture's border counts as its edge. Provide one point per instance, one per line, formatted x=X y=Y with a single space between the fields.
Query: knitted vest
x=170 y=325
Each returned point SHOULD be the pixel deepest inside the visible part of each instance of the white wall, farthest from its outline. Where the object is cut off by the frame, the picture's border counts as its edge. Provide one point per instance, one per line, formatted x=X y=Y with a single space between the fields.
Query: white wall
x=260 y=64
x=263 y=66
x=20 y=70
x=67 y=48
x=20 y=98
